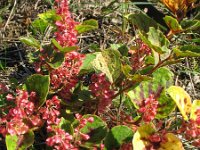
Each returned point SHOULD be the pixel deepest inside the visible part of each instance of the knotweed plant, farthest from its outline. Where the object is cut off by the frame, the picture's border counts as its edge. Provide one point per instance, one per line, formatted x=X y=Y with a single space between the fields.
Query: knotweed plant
x=121 y=97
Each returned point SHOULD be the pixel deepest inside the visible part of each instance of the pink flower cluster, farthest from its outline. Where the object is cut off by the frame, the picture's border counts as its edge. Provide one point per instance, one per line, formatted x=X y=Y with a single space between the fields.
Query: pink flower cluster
x=191 y=130
x=66 y=35
x=66 y=76
x=60 y=140
x=101 y=89
x=64 y=141
x=51 y=111
x=138 y=55
x=23 y=116
x=26 y=115
x=148 y=109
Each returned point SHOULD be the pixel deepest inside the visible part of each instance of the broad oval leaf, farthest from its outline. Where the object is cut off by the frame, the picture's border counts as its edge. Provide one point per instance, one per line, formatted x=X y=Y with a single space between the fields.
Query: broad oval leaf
x=28 y=140
x=142 y=21
x=39 y=84
x=30 y=41
x=97 y=130
x=182 y=100
x=117 y=136
x=141 y=137
x=49 y=16
x=11 y=142
x=57 y=60
x=171 y=142
x=173 y=24
x=195 y=107
x=158 y=41
x=21 y=142
x=162 y=79
x=87 y=26
x=108 y=62
x=178 y=7
x=187 y=53
x=86 y=66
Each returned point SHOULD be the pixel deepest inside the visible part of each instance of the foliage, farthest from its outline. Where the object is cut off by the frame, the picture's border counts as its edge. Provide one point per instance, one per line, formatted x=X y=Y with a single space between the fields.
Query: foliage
x=120 y=97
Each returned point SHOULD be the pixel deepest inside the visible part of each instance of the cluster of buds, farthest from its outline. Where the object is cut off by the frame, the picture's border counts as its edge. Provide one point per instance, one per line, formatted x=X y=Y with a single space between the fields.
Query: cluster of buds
x=191 y=129
x=22 y=116
x=138 y=55
x=62 y=140
x=148 y=108
x=51 y=111
x=101 y=89
x=66 y=76
x=66 y=35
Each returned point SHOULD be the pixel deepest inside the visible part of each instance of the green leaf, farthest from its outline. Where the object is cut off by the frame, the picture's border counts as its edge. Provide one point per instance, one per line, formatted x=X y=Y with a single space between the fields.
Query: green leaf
x=142 y=21
x=141 y=137
x=195 y=107
x=49 y=16
x=122 y=48
x=63 y=49
x=97 y=130
x=187 y=53
x=108 y=62
x=87 y=26
x=149 y=60
x=182 y=100
x=21 y=142
x=11 y=142
x=28 y=140
x=162 y=79
x=66 y=125
x=56 y=44
x=57 y=60
x=190 y=25
x=69 y=49
x=39 y=25
x=87 y=66
x=117 y=136
x=158 y=41
x=126 y=69
x=39 y=84
x=173 y=24
x=30 y=41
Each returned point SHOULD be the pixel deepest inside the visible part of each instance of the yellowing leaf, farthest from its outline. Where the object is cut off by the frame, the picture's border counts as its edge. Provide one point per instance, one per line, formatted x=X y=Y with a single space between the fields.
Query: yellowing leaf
x=195 y=107
x=182 y=100
x=140 y=139
x=171 y=143
x=178 y=7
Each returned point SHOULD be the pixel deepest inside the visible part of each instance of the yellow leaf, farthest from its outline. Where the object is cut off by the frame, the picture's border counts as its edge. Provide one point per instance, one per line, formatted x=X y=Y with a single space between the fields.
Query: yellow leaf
x=176 y=6
x=182 y=100
x=140 y=139
x=171 y=143
x=195 y=106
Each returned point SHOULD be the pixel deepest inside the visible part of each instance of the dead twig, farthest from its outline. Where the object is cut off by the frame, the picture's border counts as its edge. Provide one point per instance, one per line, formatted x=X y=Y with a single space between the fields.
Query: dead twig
x=11 y=13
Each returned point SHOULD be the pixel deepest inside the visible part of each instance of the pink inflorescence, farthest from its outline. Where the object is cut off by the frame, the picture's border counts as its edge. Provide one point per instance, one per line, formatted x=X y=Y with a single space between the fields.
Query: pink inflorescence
x=22 y=116
x=138 y=55
x=191 y=129
x=101 y=89
x=62 y=140
x=149 y=108
x=65 y=77
x=66 y=34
